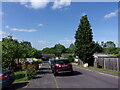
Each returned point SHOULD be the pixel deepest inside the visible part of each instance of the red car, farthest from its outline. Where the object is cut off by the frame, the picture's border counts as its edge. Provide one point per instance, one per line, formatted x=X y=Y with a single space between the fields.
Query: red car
x=61 y=66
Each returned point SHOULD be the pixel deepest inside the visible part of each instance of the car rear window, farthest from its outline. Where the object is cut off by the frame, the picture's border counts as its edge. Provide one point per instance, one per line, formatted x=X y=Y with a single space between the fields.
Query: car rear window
x=62 y=62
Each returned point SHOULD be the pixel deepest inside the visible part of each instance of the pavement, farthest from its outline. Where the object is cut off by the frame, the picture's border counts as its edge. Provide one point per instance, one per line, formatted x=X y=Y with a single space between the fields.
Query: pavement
x=81 y=78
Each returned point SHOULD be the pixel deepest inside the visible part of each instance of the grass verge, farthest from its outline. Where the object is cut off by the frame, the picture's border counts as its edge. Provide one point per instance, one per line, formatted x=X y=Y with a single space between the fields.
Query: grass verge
x=103 y=70
x=20 y=76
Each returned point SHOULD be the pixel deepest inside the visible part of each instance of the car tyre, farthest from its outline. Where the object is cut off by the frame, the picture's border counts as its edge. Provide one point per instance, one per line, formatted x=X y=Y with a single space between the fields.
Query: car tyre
x=71 y=72
x=55 y=73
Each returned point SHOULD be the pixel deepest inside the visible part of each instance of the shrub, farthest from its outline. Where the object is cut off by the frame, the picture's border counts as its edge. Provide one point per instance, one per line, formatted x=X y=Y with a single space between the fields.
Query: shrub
x=35 y=65
x=71 y=58
x=30 y=73
x=24 y=67
x=118 y=55
x=19 y=66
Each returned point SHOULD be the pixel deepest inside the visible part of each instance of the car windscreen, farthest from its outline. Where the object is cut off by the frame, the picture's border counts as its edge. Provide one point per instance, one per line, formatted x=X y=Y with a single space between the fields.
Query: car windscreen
x=62 y=61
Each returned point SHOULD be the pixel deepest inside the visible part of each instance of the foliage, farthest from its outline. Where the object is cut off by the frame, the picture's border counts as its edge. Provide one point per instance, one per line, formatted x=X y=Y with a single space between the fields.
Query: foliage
x=37 y=54
x=109 y=44
x=96 y=47
x=24 y=67
x=48 y=50
x=83 y=40
x=10 y=50
x=71 y=58
x=118 y=55
x=110 y=48
x=71 y=48
x=13 y=49
x=20 y=76
x=30 y=73
x=58 y=49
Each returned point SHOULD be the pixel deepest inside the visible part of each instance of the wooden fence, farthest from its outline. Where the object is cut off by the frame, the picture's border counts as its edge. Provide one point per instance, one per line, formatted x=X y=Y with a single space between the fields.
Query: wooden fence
x=111 y=63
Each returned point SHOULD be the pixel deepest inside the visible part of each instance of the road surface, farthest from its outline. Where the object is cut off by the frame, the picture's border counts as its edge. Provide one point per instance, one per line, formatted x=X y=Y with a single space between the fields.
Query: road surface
x=81 y=78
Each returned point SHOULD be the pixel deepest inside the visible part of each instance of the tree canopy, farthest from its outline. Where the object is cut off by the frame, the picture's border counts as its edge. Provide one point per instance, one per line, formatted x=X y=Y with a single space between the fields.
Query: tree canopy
x=13 y=49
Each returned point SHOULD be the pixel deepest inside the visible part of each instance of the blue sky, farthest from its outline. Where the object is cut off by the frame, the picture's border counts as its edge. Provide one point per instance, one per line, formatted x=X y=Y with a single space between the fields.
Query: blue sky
x=49 y=23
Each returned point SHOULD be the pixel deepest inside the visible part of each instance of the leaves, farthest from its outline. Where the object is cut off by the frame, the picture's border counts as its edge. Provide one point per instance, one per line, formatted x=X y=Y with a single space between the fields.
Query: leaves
x=13 y=49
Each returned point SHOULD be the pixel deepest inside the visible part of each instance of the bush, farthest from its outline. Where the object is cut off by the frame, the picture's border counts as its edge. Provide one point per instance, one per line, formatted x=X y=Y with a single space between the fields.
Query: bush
x=30 y=73
x=24 y=67
x=19 y=66
x=118 y=55
x=71 y=58
x=35 y=65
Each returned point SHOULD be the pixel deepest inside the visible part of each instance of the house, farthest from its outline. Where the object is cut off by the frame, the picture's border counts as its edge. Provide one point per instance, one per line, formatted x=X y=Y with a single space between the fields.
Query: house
x=64 y=55
x=48 y=55
x=20 y=60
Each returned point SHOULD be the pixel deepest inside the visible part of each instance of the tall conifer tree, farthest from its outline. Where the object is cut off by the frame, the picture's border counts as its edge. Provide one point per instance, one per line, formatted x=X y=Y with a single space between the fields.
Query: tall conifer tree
x=83 y=40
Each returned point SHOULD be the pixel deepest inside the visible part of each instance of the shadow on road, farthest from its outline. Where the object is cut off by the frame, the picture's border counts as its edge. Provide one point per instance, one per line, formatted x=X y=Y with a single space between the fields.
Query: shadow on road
x=45 y=69
x=75 y=73
x=17 y=85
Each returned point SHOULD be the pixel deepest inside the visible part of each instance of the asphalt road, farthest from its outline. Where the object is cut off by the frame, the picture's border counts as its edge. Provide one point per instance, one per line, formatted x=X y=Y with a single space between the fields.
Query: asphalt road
x=81 y=78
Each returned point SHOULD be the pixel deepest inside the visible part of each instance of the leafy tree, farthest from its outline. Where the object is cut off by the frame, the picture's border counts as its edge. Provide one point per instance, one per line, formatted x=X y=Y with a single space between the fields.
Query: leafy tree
x=26 y=44
x=72 y=48
x=110 y=48
x=102 y=44
x=67 y=50
x=48 y=50
x=59 y=49
x=83 y=40
x=26 y=49
x=109 y=44
x=37 y=54
x=71 y=58
x=10 y=50
x=96 y=47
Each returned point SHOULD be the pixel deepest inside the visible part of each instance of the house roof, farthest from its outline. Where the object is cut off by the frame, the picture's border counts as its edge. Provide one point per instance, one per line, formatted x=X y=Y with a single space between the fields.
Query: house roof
x=48 y=55
x=104 y=55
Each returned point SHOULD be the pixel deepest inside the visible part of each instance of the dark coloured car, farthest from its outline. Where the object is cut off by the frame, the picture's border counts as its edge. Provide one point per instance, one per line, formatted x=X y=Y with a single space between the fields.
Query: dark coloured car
x=6 y=78
x=61 y=66
x=45 y=59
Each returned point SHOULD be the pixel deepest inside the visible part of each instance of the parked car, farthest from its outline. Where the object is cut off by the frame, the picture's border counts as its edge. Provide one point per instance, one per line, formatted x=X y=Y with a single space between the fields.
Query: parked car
x=45 y=59
x=61 y=66
x=7 y=78
x=51 y=63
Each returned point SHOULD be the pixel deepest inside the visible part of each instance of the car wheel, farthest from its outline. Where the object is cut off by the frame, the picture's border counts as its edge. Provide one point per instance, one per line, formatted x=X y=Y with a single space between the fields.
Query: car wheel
x=55 y=73
x=71 y=72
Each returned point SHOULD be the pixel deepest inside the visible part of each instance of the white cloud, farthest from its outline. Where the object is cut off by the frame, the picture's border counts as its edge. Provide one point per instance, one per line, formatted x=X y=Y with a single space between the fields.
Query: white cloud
x=35 y=4
x=61 y=3
x=42 y=42
x=40 y=25
x=112 y=14
x=66 y=42
x=24 y=30
x=3 y=33
x=7 y=26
